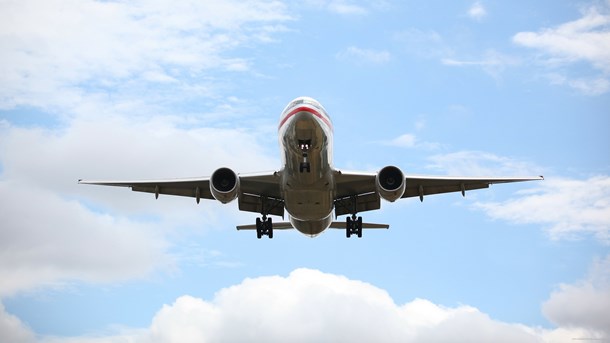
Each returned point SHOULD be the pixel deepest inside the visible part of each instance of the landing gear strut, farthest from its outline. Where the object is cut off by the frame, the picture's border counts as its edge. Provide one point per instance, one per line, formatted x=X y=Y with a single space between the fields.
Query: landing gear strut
x=353 y=225
x=264 y=227
x=304 y=145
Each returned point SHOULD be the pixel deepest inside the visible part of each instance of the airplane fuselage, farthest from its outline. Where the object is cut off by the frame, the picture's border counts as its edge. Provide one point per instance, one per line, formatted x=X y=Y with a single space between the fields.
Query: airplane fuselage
x=307 y=185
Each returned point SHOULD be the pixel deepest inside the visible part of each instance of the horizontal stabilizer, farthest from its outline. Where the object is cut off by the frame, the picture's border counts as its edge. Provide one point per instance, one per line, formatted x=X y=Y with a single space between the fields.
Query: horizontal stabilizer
x=341 y=225
x=276 y=226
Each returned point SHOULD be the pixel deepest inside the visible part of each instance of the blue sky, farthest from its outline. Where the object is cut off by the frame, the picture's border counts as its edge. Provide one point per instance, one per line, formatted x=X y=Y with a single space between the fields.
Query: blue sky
x=155 y=89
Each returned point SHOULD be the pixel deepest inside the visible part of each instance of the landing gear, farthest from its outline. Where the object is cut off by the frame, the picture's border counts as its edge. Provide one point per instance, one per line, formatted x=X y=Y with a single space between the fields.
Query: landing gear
x=264 y=227
x=304 y=145
x=353 y=225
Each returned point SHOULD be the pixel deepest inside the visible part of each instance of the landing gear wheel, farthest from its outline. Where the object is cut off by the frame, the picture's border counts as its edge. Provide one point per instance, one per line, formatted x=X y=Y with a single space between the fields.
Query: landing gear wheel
x=269 y=227
x=348 y=227
x=259 y=228
x=264 y=227
x=353 y=225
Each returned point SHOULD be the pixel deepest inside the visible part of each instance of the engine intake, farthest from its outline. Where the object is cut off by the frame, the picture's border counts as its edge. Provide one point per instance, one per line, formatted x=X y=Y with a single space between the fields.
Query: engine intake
x=390 y=182
x=224 y=185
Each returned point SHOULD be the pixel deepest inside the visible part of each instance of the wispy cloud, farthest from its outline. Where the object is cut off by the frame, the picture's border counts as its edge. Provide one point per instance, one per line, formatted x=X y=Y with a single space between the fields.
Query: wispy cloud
x=584 y=204
x=342 y=7
x=586 y=39
x=410 y=140
x=477 y=11
x=480 y=163
x=55 y=54
x=492 y=62
x=364 y=56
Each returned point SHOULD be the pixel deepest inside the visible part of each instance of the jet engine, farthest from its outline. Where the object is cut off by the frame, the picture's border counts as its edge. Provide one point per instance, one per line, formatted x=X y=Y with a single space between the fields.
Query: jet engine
x=390 y=182
x=224 y=185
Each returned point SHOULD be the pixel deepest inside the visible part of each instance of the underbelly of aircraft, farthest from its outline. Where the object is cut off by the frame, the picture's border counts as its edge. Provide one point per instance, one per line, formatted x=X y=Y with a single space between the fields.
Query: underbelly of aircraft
x=309 y=205
x=311 y=228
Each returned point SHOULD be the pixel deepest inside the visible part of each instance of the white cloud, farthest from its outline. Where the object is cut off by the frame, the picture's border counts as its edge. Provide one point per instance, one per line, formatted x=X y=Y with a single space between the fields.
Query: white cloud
x=493 y=62
x=409 y=140
x=477 y=11
x=568 y=207
x=56 y=52
x=14 y=330
x=479 y=163
x=585 y=304
x=586 y=39
x=364 y=56
x=49 y=236
x=588 y=86
x=342 y=7
x=47 y=240
x=309 y=305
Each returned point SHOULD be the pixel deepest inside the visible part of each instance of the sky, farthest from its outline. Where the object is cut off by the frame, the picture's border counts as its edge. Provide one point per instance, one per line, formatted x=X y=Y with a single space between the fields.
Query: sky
x=164 y=89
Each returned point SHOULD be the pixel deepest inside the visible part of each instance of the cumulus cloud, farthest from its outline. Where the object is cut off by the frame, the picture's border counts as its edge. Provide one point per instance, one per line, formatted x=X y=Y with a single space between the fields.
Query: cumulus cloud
x=586 y=39
x=585 y=304
x=54 y=230
x=309 y=305
x=363 y=56
x=47 y=240
x=584 y=204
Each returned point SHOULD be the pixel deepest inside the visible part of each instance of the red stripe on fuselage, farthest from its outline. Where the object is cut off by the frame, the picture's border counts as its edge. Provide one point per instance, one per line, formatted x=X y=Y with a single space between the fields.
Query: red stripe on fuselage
x=306 y=109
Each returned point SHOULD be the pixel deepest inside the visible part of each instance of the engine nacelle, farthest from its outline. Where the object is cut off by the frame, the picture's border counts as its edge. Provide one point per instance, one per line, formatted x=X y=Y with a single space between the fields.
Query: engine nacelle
x=390 y=182
x=224 y=185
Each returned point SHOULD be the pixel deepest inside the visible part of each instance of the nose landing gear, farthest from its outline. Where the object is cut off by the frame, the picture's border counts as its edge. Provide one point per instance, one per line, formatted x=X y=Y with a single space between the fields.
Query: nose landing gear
x=304 y=146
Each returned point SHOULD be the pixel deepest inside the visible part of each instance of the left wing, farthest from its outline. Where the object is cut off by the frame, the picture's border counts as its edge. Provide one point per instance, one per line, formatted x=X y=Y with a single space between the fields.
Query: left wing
x=255 y=189
x=192 y=187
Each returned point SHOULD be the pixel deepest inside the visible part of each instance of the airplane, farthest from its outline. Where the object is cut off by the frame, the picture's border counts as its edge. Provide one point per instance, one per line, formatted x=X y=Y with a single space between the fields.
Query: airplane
x=307 y=187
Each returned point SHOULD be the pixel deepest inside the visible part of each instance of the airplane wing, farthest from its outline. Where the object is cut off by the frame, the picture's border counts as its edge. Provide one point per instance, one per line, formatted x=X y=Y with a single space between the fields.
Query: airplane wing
x=361 y=187
x=261 y=185
x=426 y=185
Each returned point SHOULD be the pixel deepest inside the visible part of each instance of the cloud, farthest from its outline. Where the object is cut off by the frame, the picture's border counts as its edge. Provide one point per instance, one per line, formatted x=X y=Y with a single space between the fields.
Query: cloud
x=586 y=39
x=309 y=305
x=47 y=240
x=55 y=231
x=342 y=7
x=584 y=204
x=56 y=53
x=364 y=56
x=423 y=44
x=585 y=304
x=477 y=11
x=493 y=62
x=409 y=140
x=14 y=330
x=479 y=163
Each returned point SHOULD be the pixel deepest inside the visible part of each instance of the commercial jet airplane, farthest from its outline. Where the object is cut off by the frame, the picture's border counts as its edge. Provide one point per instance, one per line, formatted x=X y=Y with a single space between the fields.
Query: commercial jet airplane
x=307 y=186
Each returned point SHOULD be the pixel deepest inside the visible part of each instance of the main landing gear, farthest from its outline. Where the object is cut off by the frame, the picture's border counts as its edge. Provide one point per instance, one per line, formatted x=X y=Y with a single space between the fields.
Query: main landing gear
x=353 y=225
x=264 y=227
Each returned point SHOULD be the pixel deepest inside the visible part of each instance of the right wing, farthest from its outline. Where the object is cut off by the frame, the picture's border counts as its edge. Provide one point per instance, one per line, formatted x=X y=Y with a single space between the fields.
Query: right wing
x=359 y=191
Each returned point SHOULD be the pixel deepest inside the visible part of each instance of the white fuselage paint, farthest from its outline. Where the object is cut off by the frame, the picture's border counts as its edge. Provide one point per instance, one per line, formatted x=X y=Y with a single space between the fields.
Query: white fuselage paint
x=308 y=190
